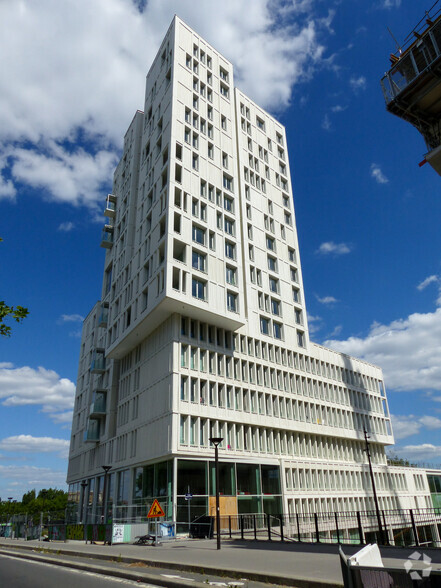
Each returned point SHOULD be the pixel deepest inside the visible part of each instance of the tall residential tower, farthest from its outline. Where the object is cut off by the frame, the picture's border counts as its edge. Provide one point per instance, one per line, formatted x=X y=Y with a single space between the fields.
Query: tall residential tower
x=201 y=329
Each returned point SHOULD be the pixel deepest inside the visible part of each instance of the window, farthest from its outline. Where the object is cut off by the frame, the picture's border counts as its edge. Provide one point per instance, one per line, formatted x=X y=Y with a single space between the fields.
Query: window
x=229 y=226
x=300 y=338
x=294 y=274
x=198 y=289
x=230 y=250
x=198 y=261
x=264 y=325
x=195 y=140
x=187 y=115
x=277 y=330
x=195 y=102
x=210 y=150
x=210 y=131
x=260 y=123
x=228 y=204
x=225 y=160
x=291 y=254
x=202 y=127
x=232 y=302
x=224 y=91
x=296 y=295
x=187 y=135
x=298 y=315
x=195 y=162
x=275 y=306
x=224 y=122
x=210 y=112
x=274 y=285
x=198 y=235
x=188 y=60
x=228 y=183
x=230 y=275
x=272 y=264
x=270 y=243
x=223 y=74
x=288 y=220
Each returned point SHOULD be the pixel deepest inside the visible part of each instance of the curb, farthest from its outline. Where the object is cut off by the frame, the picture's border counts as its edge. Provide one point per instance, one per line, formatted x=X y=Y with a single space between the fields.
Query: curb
x=272 y=579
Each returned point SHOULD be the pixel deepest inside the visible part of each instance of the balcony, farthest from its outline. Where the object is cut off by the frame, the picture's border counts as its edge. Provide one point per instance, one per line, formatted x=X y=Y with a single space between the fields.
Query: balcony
x=98 y=365
x=92 y=433
x=98 y=406
x=110 y=210
x=107 y=237
x=103 y=316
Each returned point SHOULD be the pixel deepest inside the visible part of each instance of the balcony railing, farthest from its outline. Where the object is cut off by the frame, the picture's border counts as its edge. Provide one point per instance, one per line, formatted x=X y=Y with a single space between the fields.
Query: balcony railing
x=98 y=364
x=107 y=237
x=110 y=209
x=92 y=433
x=103 y=317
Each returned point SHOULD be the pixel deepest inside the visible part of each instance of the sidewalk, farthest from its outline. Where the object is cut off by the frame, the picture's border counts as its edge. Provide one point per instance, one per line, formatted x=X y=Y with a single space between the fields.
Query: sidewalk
x=290 y=564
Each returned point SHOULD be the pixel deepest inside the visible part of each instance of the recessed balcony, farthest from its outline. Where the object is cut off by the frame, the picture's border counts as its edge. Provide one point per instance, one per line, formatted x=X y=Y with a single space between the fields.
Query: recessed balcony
x=107 y=237
x=110 y=210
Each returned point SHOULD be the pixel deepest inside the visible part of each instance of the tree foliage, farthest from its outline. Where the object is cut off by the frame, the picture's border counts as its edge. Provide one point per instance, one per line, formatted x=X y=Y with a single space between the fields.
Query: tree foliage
x=48 y=499
x=16 y=313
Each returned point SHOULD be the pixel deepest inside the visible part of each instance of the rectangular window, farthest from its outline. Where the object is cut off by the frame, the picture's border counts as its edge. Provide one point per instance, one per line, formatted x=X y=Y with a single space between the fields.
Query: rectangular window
x=230 y=250
x=224 y=122
x=210 y=150
x=228 y=183
x=198 y=235
x=198 y=261
x=294 y=277
x=198 y=289
x=272 y=264
x=229 y=226
x=260 y=123
x=275 y=306
x=232 y=302
x=225 y=160
x=270 y=243
x=274 y=285
x=264 y=325
x=224 y=90
x=296 y=295
x=231 y=275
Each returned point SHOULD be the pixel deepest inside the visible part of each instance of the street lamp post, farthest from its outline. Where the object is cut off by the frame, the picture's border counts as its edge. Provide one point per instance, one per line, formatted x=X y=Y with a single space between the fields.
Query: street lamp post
x=106 y=471
x=216 y=442
x=377 y=508
x=9 y=509
x=83 y=486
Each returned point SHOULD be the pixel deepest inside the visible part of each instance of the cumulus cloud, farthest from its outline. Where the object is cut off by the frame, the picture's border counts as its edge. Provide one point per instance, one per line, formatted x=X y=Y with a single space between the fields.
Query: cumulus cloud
x=329 y=247
x=327 y=299
x=326 y=123
x=66 y=227
x=71 y=318
x=408 y=425
x=378 y=175
x=429 y=280
x=43 y=116
x=357 y=83
x=20 y=386
x=425 y=452
x=338 y=108
x=407 y=349
x=19 y=479
x=314 y=323
x=388 y=4
x=28 y=444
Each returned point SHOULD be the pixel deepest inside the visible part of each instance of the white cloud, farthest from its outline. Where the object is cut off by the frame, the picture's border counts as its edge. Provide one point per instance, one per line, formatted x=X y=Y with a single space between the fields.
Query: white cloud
x=425 y=452
x=326 y=123
x=408 y=425
x=29 y=444
x=71 y=318
x=20 y=386
x=378 y=175
x=336 y=331
x=357 y=83
x=427 y=281
x=273 y=46
x=16 y=480
x=327 y=299
x=66 y=227
x=314 y=323
x=391 y=4
x=408 y=350
x=329 y=247
x=338 y=108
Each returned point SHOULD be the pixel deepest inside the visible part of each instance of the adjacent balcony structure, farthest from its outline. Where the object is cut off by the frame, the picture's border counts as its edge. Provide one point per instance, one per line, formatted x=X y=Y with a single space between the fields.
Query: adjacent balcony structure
x=92 y=432
x=110 y=209
x=107 y=236
x=412 y=87
x=98 y=364
x=99 y=403
x=104 y=315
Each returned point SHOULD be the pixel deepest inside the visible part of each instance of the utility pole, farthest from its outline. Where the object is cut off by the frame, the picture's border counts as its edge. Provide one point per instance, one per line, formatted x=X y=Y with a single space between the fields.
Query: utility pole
x=377 y=508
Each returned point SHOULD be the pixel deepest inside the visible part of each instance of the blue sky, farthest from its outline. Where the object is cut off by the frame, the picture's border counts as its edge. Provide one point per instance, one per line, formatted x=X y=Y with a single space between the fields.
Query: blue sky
x=367 y=215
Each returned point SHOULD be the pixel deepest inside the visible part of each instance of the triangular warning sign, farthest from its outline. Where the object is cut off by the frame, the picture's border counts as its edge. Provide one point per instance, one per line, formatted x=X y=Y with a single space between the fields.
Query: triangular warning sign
x=155 y=510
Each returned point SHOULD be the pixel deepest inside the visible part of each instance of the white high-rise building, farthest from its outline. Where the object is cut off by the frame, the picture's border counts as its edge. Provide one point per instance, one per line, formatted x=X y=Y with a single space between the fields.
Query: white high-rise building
x=201 y=330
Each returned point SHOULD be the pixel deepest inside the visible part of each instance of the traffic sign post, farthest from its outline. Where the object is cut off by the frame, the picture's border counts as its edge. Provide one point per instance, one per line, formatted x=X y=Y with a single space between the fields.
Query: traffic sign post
x=154 y=513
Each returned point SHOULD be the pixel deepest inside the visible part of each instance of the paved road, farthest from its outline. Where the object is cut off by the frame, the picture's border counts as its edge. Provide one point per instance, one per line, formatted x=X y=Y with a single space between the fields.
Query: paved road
x=16 y=573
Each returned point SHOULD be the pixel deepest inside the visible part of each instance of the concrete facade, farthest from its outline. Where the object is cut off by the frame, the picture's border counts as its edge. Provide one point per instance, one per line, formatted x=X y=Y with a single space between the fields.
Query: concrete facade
x=202 y=331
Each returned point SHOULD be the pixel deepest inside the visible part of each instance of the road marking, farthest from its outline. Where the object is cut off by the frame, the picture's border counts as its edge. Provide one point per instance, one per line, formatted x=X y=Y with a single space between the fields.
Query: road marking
x=178 y=577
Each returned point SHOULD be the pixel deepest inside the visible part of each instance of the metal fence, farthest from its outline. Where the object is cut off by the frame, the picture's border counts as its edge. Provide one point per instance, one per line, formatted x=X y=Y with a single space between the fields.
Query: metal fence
x=413 y=527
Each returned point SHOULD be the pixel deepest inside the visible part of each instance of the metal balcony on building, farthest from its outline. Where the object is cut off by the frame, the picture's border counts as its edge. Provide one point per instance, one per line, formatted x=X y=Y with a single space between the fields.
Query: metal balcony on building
x=103 y=316
x=110 y=209
x=92 y=433
x=412 y=87
x=98 y=364
x=98 y=406
x=107 y=237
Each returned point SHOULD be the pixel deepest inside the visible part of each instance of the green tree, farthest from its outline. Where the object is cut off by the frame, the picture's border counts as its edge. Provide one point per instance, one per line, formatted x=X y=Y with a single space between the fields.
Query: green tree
x=17 y=313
